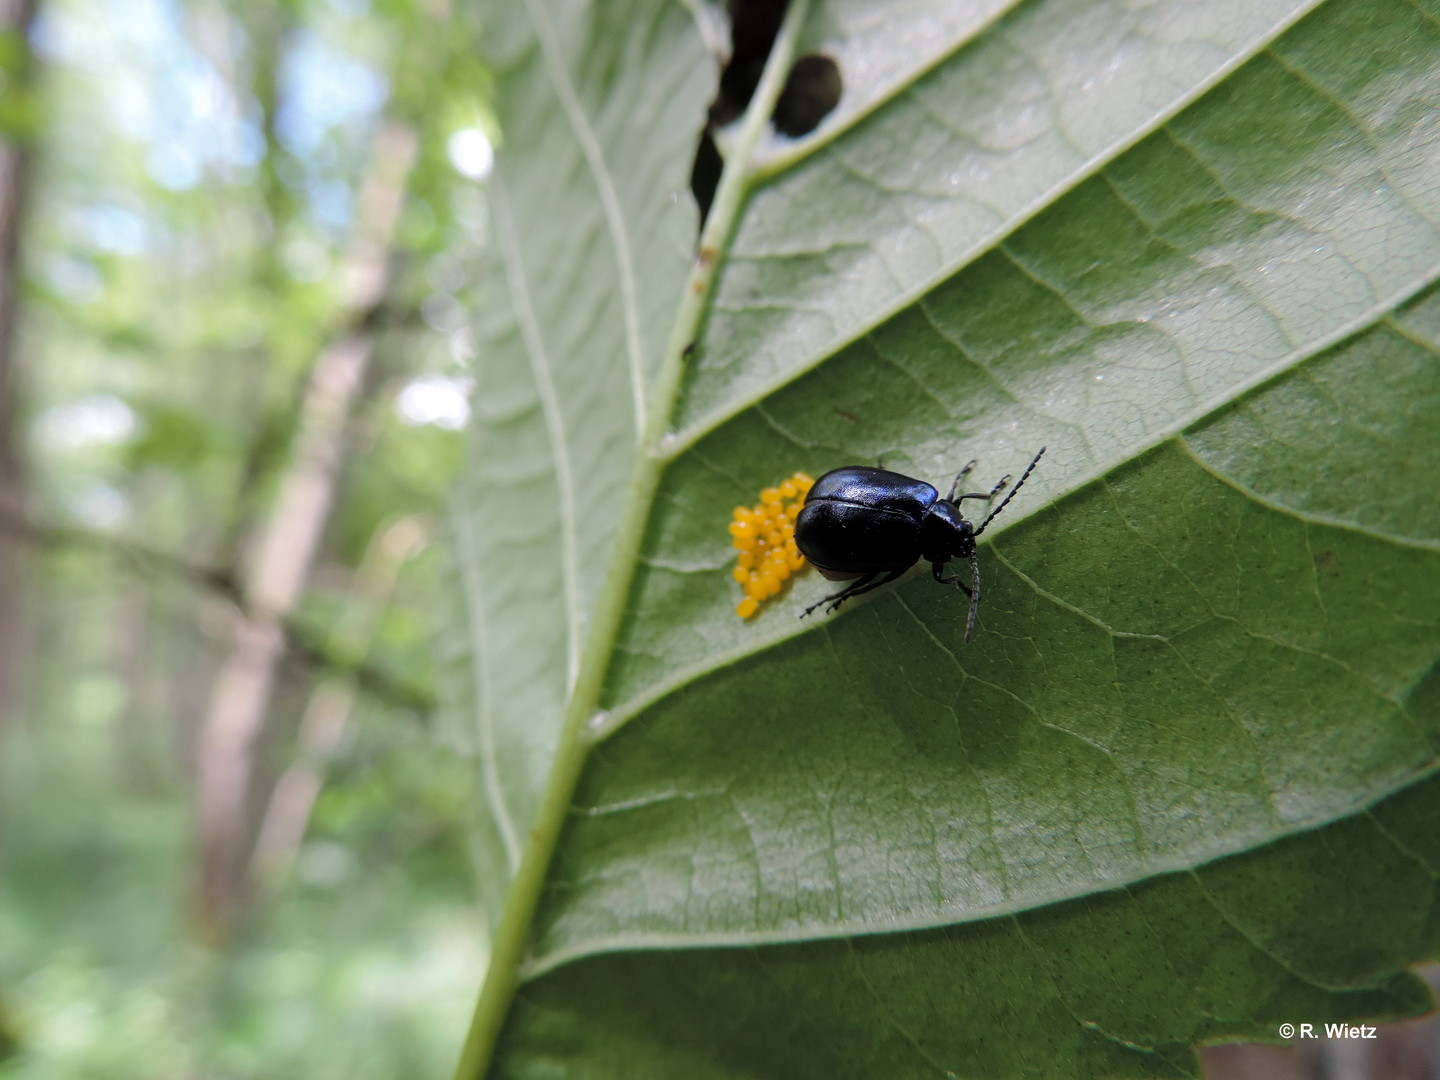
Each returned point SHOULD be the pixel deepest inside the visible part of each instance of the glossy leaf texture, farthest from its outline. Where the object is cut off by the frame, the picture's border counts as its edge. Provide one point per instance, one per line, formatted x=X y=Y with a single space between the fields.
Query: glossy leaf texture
x=1180 y=786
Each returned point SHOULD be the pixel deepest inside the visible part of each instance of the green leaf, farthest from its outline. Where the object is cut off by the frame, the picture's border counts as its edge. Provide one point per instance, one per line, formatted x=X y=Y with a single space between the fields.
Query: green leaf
x=1179 y=786
x=1113 y=984
x=588 y=255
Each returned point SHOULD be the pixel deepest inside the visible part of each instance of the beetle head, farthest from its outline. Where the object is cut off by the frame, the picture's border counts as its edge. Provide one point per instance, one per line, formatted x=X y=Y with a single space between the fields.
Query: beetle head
x=945 y=534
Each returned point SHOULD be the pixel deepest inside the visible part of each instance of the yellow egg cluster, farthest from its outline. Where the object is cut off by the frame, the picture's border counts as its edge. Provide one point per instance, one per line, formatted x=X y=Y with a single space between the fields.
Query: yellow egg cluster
x=764 y=534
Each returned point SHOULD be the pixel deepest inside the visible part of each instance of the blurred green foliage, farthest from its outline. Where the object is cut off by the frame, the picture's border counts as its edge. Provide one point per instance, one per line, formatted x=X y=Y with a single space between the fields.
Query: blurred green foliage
x=196 y=168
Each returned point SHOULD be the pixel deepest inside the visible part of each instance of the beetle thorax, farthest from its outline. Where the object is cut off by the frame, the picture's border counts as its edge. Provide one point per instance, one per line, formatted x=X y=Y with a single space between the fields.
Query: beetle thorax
x=945 y=534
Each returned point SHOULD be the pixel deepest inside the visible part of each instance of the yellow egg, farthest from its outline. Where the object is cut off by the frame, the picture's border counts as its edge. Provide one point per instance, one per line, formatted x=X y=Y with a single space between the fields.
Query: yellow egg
x=764 y=536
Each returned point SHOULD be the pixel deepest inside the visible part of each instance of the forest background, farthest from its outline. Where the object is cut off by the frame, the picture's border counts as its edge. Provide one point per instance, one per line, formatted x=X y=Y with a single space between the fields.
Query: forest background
x=207 y=208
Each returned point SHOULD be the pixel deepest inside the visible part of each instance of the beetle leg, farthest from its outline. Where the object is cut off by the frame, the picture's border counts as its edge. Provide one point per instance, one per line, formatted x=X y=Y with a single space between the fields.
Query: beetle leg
x=956 y=485
x=860 y=586
x=863 y=585
x=981 y=494
x=836 y=599
x=938 y=569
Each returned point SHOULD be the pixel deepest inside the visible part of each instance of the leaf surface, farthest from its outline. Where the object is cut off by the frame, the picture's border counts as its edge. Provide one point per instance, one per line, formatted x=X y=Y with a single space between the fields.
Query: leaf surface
x=1191 y=249
x=953 y=161
x=571 y=318
x=1116 y=984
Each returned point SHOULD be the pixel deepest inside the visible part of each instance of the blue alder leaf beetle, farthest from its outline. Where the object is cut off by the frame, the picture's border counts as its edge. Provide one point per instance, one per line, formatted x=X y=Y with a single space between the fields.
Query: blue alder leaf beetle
x=872 y=525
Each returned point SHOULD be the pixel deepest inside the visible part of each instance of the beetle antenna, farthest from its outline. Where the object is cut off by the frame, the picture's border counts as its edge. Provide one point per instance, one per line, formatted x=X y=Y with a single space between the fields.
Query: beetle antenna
x=1013 y=492
x=974 y=594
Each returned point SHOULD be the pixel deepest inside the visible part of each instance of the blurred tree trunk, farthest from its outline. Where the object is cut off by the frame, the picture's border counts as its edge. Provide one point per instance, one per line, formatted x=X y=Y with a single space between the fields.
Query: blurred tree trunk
x=17 y=85
x=328 y=712
x=282 y=547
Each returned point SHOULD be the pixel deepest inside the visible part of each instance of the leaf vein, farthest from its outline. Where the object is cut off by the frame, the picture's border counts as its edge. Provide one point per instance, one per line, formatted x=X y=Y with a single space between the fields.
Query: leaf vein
x=551 y=411
x=609 y=201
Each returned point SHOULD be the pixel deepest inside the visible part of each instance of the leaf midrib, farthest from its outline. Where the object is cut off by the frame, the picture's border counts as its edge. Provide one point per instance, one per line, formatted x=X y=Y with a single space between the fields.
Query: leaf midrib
x=511 y=941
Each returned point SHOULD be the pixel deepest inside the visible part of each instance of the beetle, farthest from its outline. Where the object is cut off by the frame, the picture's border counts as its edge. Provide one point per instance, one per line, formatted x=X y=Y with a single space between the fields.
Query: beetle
x=872 y=525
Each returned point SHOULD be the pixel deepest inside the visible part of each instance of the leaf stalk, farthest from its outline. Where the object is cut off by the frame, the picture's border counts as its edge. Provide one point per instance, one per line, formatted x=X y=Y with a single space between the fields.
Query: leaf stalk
x=512 y=935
